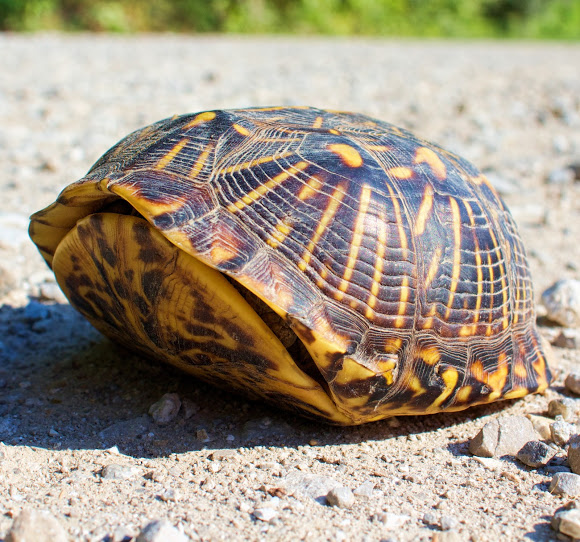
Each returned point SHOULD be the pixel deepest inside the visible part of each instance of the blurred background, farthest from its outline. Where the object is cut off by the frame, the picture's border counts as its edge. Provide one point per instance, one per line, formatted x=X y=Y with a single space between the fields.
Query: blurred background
x=530 y=19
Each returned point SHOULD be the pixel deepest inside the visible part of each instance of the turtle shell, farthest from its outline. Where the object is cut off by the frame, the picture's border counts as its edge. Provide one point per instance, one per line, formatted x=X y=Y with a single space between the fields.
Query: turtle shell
x=392 y=266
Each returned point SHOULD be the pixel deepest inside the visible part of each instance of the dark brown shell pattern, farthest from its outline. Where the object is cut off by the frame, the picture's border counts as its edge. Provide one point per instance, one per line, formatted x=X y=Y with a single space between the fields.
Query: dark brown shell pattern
x=396 y=254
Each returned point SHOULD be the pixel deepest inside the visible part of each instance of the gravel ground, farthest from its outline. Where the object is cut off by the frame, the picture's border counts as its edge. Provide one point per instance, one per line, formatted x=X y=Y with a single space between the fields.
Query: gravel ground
x=77 y=439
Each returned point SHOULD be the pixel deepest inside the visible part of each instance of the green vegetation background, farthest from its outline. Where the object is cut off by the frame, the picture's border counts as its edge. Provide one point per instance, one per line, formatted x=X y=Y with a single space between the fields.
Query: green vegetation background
x=551 y=19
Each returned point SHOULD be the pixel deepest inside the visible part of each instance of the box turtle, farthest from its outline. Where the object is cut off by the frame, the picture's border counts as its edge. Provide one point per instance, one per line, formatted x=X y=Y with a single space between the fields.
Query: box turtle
x=328 y=262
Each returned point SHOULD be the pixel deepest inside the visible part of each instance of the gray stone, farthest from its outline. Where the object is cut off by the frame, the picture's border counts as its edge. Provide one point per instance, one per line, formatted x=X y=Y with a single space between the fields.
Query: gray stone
x=561 y=432
x=572 y=382
x=536 y=454
x=562 y=302
x=541 y=425
x=503 y=436
x=166 y=409
x=118 y=472
x=565 y=407
x=341 y=496
x=567 y=522
x=574 y=454
x=565 y=483
x=37 y=526
x=160 y=531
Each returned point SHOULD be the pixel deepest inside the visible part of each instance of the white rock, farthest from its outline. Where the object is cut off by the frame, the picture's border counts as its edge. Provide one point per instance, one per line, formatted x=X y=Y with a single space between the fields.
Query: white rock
x=265 y=514
x=160 y=531
x=166 y=409
x=565 y=483
x=569 y=522
x=36 y=526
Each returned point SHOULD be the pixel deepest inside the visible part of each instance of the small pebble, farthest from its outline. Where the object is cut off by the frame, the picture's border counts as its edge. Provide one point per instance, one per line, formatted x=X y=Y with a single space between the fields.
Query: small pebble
x=562 y=302
x=565 y=407
x=566 y=339
x=265 y=514
x=560 y=176
x=118 y=472
x=342 y=497
x=447 y=536
x=365 y=490
x=565 y=483
x=160 y=531
x=567 y=522
x=502 y=436
x=36 y=526
x=188 y=407
x=166 y=409
x=536 y=454
x=448 y=523
x=390 y=520
x=429 y=519
x=574 y=454
x=561 y=432
x=169 y=494
x=572 y=382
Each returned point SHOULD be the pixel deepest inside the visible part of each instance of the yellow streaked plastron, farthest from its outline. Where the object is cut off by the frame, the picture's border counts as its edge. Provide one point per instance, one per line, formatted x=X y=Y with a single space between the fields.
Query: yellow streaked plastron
x=424 y=210
x=202 y=118
x=312 y=186
x=257 y=193
x=241 y=129
x=456 y=226
x=173 y=152
x=400 y=172
x=347 y=153
x=430 y=157
x=357 y=235
x=332 y=206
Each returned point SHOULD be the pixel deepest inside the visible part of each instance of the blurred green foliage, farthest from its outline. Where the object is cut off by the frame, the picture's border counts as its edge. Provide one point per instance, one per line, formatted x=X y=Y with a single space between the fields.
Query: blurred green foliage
x=559 y=19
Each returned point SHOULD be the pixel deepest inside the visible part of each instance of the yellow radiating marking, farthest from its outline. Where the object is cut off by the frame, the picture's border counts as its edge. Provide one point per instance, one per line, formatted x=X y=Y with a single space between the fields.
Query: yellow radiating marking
x=240 y=129
x=200 y=119
x=333 y=131
x=264 y=188
x=313 y=185
x=477 y=371
x=393 y=345
x=400 y=226
x=424 y=210
x=520 y=371
x=456 y=218
x=329 y=212
x=400 y=320
x=317 y=123
x=379 y=261
x=400 y=172
x=255 y=162
x=466 y=331
x=450 y=378
x=200 y=162
x=359 y=227
x=431 y=158
x=171 y=154
x=280 y=233
x=433 y=267
x=496 y=380
x=505 y=322
x=416 y=386
x=347 y=153
x=220 y=254
x=430 y=355
x=463 y=394
x=275 y=108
